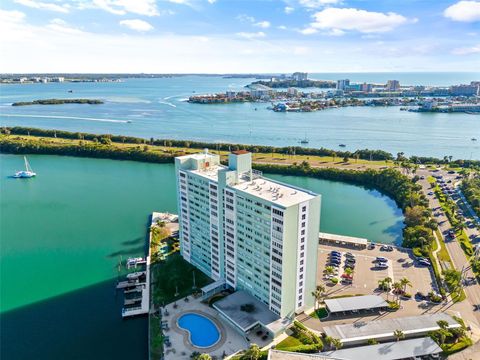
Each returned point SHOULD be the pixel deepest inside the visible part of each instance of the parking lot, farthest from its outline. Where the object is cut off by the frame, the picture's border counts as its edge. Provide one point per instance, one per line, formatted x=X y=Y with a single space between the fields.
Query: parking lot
x=366 y=275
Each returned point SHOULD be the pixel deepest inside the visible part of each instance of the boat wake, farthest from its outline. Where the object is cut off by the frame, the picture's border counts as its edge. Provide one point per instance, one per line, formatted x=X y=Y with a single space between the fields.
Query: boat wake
x=67 y=117
x=167 y=103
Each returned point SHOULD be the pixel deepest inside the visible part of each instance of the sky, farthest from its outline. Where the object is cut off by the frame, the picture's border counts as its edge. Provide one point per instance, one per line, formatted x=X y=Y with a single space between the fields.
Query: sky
x=239 y=36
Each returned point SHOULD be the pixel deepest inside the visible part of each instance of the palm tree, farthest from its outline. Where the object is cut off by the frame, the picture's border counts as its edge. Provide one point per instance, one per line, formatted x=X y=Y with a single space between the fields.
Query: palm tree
x=204 y=357
x=318 y=294
x=443 y=334
x=349 y=271
x=329 y=270
x=399 y=334
x=397 y=288
x=337 y=343
x=253 y=352
x=404 y=282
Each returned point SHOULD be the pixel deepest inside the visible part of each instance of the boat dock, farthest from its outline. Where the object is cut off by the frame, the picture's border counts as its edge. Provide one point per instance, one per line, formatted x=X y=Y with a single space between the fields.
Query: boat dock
x=137 y=284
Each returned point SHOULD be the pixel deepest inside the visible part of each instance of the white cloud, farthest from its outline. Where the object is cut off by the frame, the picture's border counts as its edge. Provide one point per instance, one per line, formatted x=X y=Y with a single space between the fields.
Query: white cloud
x=250 y=19
x=358 y=20
x=315 y=4
x=308 y=31
x=465 y=11
x=12 y=16
x=122 y=7
x=251 y=35
x=137 y=25
x=282 y=27
x=61 y=26
x=64 y=8
x=336 y=32
x=263 y=24
x=288 y=9
x=467 y=50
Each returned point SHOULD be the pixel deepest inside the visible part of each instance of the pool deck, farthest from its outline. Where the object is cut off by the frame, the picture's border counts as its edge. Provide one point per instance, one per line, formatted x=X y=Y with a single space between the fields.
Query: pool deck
x=231 y=340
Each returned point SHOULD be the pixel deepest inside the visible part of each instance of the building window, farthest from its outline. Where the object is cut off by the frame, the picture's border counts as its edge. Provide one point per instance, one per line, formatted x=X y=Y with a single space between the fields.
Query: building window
x=304 y=216
x=304 y=208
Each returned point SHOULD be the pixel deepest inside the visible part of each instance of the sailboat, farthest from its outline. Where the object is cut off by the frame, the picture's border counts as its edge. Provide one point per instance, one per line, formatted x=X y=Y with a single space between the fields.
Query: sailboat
x=304 y=140
x=27 y=173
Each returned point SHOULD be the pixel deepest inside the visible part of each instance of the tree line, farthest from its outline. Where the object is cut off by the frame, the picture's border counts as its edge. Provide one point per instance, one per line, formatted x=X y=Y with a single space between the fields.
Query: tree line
x=364 y=154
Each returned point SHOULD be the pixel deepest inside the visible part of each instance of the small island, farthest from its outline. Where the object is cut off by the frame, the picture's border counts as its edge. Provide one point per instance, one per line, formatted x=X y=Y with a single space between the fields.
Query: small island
x=58 y=102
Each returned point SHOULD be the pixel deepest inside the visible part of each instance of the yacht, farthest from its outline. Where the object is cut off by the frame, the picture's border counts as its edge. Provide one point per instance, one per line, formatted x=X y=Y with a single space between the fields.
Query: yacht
x=474 y=139
x=342 y=145
x=27 y=173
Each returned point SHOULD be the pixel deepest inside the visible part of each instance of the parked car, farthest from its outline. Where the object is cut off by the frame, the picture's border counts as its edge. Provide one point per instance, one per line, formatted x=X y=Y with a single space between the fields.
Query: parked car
x=451 y=172
x=371 y=246
x=381 y=265
x=349 y=255
x=380 y=259
x=424 y=262
x=420 y=296
x=333 y=252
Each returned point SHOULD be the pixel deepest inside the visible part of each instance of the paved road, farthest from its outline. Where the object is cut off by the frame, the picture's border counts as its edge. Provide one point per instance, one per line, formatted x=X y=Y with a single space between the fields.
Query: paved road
x=453 y=246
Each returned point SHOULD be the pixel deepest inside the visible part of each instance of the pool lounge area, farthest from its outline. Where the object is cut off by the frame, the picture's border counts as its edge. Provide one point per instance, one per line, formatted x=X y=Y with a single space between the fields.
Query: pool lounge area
x=185 y=338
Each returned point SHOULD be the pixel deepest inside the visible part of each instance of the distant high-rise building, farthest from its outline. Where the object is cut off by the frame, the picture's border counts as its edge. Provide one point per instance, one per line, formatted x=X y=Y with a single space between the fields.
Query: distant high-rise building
x=392 y=85
x=464 y=90
x=343 y=84
x=252 y=233
x=366 y=87
x=299 y=76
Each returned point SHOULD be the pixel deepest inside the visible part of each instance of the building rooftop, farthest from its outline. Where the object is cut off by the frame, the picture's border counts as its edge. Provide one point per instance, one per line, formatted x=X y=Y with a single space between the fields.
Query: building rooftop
x=230 y=308
x=355 y=303
x=211 y=172
x=379 y=329
x=343 y=238
x=389 y=351
x=275 y=192
x=240 y=152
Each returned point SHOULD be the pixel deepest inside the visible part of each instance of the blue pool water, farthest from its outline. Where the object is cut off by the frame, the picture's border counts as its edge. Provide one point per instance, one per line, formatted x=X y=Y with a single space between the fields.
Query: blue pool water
x=203 y=332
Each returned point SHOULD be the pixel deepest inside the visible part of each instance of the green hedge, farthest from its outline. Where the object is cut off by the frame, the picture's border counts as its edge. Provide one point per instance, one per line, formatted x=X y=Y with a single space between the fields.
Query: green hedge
x=308 y=349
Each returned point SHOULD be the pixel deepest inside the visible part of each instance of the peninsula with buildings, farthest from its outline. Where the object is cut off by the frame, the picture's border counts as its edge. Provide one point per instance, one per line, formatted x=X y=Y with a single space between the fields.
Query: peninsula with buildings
x=286 y=95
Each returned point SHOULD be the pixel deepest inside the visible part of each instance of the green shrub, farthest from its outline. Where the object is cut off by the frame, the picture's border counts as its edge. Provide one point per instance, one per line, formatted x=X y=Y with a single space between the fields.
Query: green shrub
x=307 y=349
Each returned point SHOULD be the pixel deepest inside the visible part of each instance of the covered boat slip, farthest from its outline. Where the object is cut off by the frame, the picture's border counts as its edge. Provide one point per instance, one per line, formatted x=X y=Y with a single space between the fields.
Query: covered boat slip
x=361 y=331
x=342 y=240
x=355 y=304
x=406 y=349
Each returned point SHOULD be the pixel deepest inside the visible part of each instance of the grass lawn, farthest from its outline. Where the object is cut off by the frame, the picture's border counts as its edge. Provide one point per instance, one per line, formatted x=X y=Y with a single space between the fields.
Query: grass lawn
x=268 y=158
x=288 y=342
x=320 y=313
x=172 y=273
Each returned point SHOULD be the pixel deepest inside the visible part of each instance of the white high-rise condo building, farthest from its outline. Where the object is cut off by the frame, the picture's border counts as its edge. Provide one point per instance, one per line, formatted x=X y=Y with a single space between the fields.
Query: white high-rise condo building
x=256 y=234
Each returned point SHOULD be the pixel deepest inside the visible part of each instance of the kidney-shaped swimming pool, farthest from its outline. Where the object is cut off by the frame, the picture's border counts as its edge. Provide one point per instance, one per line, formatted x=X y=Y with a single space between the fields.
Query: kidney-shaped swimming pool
x=203 y=331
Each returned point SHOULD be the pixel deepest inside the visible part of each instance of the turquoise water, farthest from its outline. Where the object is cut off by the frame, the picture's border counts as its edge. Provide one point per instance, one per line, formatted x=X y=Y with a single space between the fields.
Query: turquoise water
x=203 y=332
x=64 y=232
x=156 y=108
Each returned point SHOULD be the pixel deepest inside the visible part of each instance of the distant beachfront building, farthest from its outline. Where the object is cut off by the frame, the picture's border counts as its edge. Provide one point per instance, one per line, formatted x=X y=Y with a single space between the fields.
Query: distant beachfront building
x=366 y=87
x=392 y=85
x=464 y=90
x=343 y=84
x=299 y=76
x=249 y=232
x=259 y=91
x=292 y=91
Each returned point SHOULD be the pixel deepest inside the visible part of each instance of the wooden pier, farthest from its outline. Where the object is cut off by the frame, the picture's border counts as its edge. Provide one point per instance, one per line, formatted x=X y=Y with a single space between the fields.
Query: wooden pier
x=134 y=285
